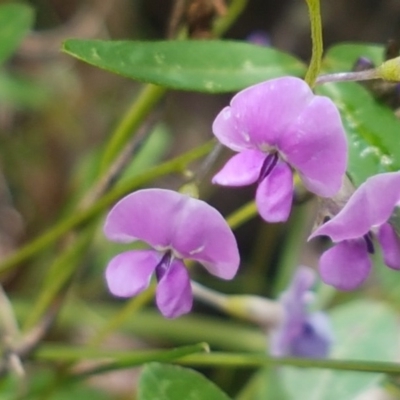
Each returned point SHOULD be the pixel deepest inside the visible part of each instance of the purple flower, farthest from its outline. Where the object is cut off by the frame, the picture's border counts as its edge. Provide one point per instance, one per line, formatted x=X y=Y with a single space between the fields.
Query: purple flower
x=347 y=264
x=177 y=227
x=301 y=333
x=276 y=126
x=260 y=38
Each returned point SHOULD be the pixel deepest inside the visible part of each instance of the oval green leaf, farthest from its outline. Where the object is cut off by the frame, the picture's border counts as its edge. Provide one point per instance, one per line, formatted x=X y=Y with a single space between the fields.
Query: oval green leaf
x=213 y=66
x=171 y=382
x=372 y=128
x=342 y=57
x=15 y=22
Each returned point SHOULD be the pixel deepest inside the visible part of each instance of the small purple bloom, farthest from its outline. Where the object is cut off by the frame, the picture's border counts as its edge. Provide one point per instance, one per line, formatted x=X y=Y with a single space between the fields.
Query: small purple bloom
x=301 y=333
x=260 y=38
x=177 y=227
x=347 y=264
x=275 y=126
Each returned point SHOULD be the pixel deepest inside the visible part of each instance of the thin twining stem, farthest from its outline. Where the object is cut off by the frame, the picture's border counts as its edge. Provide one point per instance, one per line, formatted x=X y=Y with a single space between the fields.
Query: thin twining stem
x=347 y=76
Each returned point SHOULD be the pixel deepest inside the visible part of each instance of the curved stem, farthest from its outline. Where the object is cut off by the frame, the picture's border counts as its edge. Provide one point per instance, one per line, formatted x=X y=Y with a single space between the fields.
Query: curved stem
x=246 y=360
x=128 y=311
x=149 y=96
x=223 y=24
x=317 y=42
x=347 y=76
x=242 y=215
x=49 y=237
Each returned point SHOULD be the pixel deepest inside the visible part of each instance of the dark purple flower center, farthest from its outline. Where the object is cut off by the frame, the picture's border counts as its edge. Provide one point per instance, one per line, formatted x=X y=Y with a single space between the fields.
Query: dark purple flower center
x=163 y=265
x=268 y=165
x=370 y=245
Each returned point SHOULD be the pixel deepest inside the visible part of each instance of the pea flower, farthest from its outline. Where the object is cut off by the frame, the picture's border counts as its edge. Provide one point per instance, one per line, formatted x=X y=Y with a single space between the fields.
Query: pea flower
x=365 y=216
x=301 y=333
x=177 y=227
x=275 y=126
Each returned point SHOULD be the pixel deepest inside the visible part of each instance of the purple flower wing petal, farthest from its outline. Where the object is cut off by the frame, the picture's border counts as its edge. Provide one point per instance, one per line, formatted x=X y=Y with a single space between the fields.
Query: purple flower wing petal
x=390 y=243
x=274 y=194
x=294 y=302
x=148 y=215
x=129 y=273
x=202 y=234
x=371 y=205
x=346 y=265
x=316 y=338
x=174 y=292
x=241 y=170
x=259 y=114
x=315 y=144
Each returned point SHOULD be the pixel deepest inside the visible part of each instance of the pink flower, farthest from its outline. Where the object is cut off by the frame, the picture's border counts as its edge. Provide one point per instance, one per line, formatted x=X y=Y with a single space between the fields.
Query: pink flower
x=347 y=264
x=177 y=227
x=276 y=126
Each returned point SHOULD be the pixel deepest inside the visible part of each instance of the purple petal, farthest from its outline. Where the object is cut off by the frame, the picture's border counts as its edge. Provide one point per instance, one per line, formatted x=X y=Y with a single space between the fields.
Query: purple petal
x=129 y=273
x=167 y=219
x=390 y=243
x=148 y=215
x=241 y=170
x=174 y=292
x=274 y=194
x=370 y=206
x=294 y=297
x=315 y=339
x=202 y=234
x=315 y=144
x=259 y=114
x=294 y=301
x=346 y=265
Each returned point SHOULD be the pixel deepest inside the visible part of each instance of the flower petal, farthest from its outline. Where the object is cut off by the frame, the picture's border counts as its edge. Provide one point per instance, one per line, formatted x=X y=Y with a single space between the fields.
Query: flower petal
x=315 y=339
x=202 y=234
x=241 y=170
x=346 y=265
x=129 y=273
x=274 y=194
x=294 y=298
x=371 y=205
x=390 y=243
x=259 y=114
x=174 y=292
x=315 y=144
x=294 y=301
x=148 y=215
x=170 y=220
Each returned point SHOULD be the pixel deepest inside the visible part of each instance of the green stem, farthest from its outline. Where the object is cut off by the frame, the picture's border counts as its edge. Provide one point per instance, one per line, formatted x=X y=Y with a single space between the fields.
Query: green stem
x=126 y=312
x=317 y=42
x=223 y=24
x=124 y=359
x=140 y=358
x=177 y=164
x=293 y=246
x=149 y=96
x=259 y=360
x=242 y=215
x=60 y=272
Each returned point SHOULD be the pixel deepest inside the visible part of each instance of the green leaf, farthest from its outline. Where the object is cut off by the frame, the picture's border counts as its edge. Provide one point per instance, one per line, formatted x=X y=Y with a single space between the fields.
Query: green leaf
x=264 y=385
x=203 y=66
x=364 y=330
x=372 y=130
x=171 y=382
x=15 y=22
x=342 y=57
